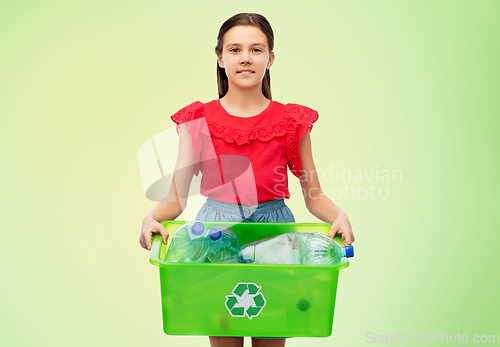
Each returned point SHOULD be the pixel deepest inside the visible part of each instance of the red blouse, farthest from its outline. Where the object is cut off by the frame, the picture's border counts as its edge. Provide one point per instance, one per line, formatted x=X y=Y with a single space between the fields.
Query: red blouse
x=243 y=159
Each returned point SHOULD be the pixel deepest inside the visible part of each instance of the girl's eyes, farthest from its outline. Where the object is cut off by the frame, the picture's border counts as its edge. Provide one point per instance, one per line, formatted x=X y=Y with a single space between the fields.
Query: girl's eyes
x=255 y=49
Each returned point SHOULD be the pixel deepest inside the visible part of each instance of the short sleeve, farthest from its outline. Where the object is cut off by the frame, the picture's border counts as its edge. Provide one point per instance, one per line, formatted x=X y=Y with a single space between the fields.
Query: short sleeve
x=193 y=116
x=299 y=120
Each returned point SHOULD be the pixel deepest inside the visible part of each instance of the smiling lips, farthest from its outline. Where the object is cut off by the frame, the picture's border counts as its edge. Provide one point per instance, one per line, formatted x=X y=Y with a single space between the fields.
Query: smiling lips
x=245 y=72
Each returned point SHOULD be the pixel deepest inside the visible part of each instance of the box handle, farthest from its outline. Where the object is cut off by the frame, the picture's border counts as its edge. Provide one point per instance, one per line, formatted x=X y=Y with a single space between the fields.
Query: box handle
x=155 y=250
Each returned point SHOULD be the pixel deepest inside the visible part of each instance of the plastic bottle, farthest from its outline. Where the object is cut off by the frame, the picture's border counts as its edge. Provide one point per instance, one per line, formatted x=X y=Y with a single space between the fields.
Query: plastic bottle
x=224 y=245
x=318 y=249
x=281 y=249
x=190 y=244
x=295 y=248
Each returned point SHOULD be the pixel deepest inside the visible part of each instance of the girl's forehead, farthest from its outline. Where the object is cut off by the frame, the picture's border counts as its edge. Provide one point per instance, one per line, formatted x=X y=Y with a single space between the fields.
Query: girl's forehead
x=244 y=35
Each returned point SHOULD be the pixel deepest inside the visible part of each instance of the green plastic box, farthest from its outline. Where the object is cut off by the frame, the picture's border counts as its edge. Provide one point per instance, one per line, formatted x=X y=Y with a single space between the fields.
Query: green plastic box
x=259 y=300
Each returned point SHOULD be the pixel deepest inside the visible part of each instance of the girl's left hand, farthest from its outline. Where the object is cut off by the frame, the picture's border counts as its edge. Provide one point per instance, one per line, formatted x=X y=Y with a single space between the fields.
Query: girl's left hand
x=342 y=226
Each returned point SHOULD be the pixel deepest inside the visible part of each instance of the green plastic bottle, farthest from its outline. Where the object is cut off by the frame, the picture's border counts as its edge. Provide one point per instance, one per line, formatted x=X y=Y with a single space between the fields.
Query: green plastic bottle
x=224 y=245
x=190 y=244
x=318 y=249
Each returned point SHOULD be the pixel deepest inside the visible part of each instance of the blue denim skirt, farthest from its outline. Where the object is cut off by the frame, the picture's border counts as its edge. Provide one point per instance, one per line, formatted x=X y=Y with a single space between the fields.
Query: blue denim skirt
x=274 y=211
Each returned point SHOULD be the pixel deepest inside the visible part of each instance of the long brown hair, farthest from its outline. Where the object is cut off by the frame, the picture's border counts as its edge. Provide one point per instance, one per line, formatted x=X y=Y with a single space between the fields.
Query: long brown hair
x=253 y=19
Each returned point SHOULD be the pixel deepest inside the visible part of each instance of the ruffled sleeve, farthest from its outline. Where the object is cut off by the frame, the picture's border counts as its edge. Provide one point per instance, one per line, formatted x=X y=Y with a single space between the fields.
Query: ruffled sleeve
x=193 y=116
x=299 y=120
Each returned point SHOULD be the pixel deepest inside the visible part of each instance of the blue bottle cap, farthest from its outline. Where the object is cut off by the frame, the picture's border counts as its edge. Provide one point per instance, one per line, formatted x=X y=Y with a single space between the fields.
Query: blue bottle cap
x=215 y=233
x=349 y=251
x=197 y=228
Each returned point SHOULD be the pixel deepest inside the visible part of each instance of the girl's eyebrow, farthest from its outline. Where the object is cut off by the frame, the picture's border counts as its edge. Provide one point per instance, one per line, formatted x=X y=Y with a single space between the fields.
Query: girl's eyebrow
x=238 y=44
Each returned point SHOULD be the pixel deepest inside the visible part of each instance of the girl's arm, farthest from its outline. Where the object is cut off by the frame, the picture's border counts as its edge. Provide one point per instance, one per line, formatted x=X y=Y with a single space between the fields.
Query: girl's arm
x=175 y=201
x=318 y=203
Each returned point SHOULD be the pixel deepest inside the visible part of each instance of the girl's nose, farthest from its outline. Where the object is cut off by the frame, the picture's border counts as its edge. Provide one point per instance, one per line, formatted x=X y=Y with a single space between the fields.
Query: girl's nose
x=245 y=58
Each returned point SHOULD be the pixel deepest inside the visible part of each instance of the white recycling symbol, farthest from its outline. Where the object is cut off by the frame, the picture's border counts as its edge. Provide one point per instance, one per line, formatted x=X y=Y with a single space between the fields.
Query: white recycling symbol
x=246 y=300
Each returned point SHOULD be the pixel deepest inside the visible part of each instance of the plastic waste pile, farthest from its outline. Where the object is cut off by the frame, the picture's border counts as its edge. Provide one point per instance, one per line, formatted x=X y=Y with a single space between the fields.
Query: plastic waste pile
x=192 y=242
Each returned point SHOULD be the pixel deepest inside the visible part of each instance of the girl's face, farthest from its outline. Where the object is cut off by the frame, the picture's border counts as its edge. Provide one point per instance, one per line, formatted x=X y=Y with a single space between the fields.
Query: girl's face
x=245 y=47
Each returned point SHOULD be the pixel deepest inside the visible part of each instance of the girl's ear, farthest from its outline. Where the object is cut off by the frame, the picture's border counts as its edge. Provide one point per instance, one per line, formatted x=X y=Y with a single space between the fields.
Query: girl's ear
x=271 y=60
x=219 y=61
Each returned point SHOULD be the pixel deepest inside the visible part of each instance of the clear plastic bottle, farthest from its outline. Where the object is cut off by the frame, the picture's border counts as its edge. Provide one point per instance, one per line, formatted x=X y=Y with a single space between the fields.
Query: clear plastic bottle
x=281 y=249
x=224 y=245
x=295 y=248
x=318 y=249
x=190 y=244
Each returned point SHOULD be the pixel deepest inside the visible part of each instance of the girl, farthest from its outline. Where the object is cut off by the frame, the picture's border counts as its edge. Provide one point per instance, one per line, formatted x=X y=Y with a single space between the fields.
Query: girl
x=242 y=144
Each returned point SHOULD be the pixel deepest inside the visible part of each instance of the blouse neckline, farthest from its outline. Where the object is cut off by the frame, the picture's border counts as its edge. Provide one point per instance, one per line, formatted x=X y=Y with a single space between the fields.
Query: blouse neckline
x=240 y=117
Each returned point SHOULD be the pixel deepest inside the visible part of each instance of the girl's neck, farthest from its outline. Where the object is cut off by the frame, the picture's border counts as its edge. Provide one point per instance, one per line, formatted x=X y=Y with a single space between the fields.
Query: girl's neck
x=244 y=104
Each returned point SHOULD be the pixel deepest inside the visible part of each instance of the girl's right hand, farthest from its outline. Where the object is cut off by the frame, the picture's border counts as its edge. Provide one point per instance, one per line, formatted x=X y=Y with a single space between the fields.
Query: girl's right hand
x=150 y=227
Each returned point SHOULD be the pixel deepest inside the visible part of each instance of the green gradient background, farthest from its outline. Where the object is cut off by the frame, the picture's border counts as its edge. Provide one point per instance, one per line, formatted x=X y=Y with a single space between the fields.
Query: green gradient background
x=407 y=86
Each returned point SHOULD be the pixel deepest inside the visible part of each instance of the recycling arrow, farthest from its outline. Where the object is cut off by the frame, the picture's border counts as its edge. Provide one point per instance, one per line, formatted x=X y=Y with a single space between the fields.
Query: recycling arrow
x=246 y=300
